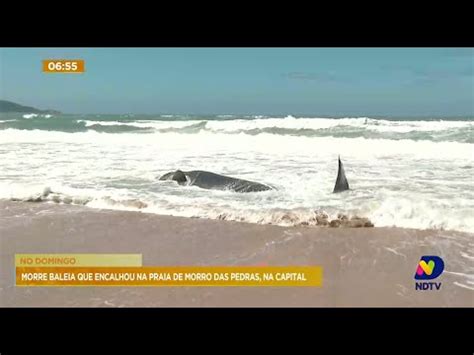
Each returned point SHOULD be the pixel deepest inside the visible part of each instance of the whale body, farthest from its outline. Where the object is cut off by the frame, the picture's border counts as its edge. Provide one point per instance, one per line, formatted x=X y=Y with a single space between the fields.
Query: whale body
x=208 y=180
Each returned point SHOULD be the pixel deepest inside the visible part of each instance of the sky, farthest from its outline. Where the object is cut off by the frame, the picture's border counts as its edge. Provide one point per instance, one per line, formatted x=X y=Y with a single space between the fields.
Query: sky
x=297 y=81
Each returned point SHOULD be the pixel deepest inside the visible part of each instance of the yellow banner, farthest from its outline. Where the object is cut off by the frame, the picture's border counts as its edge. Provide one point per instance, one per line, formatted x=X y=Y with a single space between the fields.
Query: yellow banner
x=294 y=276
x=75 y=260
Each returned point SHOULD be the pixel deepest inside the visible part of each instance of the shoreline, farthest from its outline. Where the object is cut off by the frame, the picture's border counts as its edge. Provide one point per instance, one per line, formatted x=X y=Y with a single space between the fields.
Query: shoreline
x=362 y=267
x=320 y=219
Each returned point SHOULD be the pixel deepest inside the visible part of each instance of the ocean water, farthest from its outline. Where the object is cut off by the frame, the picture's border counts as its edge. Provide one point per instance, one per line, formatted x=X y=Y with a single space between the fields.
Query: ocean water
x=415 y=173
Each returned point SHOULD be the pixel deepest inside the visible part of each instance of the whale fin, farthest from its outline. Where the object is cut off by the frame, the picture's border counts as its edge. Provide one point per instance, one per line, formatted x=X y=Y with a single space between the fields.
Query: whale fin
x=341 y=181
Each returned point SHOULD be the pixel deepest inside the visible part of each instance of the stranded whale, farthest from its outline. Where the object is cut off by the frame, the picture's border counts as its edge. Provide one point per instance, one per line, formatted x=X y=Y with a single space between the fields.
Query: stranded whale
x=208 y=180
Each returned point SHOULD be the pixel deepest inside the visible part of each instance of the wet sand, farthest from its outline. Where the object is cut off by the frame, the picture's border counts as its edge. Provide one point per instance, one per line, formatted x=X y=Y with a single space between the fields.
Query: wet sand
x=362 y=267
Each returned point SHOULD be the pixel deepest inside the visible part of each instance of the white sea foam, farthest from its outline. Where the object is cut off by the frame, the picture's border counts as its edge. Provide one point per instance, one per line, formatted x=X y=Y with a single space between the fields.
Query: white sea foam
x=407 y=183
x=142 y=123
x=265 y=143
x=34 y=115
x=30 y=115
x=291 y=122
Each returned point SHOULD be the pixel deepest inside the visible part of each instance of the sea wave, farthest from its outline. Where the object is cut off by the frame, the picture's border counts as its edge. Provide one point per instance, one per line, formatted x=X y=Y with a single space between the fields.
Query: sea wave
x=266 y=142
x=393 y=212
x=403 y=173
x=359 y=127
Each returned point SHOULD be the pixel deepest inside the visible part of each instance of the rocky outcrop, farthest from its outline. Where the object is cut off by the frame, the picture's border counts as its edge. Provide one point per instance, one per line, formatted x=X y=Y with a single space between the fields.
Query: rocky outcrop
x=8 y=106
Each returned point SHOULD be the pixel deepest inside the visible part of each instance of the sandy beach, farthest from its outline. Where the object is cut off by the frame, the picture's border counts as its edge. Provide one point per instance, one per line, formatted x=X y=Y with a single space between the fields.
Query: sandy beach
x=363 y=267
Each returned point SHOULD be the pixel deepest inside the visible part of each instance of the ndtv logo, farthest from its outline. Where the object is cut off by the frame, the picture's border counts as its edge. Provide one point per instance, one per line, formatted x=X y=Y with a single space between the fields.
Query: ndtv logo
x=429 y=268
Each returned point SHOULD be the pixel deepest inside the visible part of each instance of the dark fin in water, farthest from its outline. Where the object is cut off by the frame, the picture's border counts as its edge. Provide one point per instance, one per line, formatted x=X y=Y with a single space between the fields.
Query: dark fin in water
x=341 y=181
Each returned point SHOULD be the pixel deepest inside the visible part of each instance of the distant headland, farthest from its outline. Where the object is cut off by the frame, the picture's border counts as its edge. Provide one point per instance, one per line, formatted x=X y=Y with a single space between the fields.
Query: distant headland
x=8 y=106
